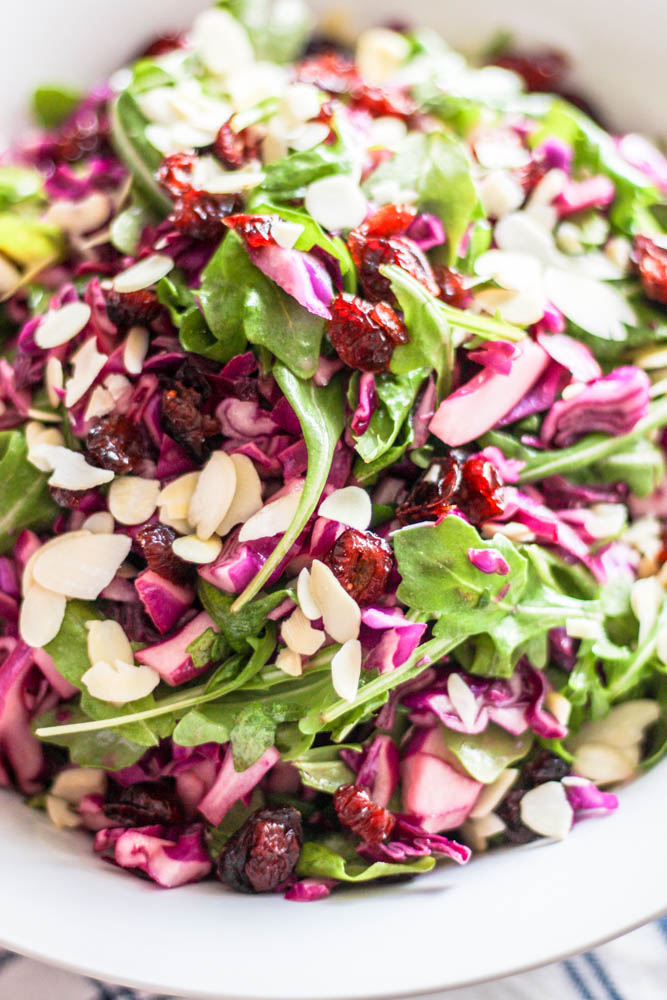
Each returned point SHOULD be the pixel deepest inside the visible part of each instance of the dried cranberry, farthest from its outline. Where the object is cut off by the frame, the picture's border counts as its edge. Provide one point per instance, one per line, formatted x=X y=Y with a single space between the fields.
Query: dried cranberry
x=356 y=810
x=169 y=42
x=544 y=70
x=144 y=804
x=390 y=220
x=331 y=71
x=370 y=253
x=126 y=309
x=263 y=853
x=175 y=173
x=69 y=499
x=379 y=101
x=651 y=262
x=509 y=812
x=480 y=495
x=200 y=215
x=86 y=132
x=234 y=149
x=155 y=541
x=115 y=443
x=432 y=496
x=545 y=766
x=365 y=335
x=184 y=421
x=255 y=229
x=361 y=562
x=531 y=174
x=452 y=286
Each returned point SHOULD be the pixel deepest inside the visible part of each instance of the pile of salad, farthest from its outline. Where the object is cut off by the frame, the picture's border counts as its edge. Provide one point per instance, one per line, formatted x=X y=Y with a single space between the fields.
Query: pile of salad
x=333 y=399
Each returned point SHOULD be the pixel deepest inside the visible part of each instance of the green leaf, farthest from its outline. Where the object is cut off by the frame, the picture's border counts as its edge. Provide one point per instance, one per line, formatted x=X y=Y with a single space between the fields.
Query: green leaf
x=278 y=32
x=289 y=177
x=437 y=167
x=320 y=411
x=19 y=185
x=641 y=466
x=51 y=105
x=396 y=396
x=105 y=748
x=238 y=626
x=126 y=228
x=319 y=860
x=25 y=501
x=430 y=343
x=128 y=137
x=29 y=241
x=485 y=755
x=322 y=774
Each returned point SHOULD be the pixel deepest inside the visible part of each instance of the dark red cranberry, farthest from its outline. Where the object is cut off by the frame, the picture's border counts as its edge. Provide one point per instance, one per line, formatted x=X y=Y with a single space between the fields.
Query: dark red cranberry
x=379 y=101
x=480 y=495
x=452 y=286
x=545 y=766
x=651 y=261
x=175 y=173
x=233 y=149
x=432 y=496
x=509 y=812
x=330 y=70
x=200 y=215
x=255 y=229
x=155 y=541
x=364 y=334
x=185 y=422
x=69 y=499
x=115 y=443
x=370 y=253
x=263 y=853
x=361 y=562
x=144 y=804
x=359 y=813
x=542 y=70
x=85 y=133
x=169 y=42
x=531 y=175
x=126 y=309
x=390 y=220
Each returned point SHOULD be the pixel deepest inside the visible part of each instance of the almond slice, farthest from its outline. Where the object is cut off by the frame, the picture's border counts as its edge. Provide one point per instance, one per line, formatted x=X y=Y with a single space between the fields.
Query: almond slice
x=304 y=594
x=70 y=469
x=88 y=363
x=622 y=727
x=53 y=379
x=75 y=783
x=179 y=524
x=350 y=505
x=476 y=832
x=107 y=641
x=247 y=498
x=346 y=670
x=81 y=566
x=135 y=349
x=100 y=403
x=336 y=202
x=299 y=635
x=197 y=550
x=341 y=615
x=213 y=494
x=546 y=810
x=174 y=499
x=42 y=614
x=61 y=325
x=646 y=599
x=289 y=662
x=37 y=434
x=603 y=764
x=274 y=518
x=144 y=274
x=558 y=705
x=463 y=700
x=60 y=813
x=100 y=523
x=27 y=579
x=119 y=682
x=493 y=794
x=132 y=500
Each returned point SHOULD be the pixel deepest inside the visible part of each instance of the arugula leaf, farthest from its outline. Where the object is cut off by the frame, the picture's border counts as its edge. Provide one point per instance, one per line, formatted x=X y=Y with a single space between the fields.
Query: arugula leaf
x=240 y=626
x=19 y=185
x=51 y=105
x=25 y=501
x=29 y=241
x=324 y=775
x=396 y=396
x=437 y=167
x=278 y=32
x=320 y=411
x=641 y=466
x=289 y=177
x=128 y=137
x=316 y=859
x=106 y=748
x=126 y=228
x=485 y=755
x=367 y=472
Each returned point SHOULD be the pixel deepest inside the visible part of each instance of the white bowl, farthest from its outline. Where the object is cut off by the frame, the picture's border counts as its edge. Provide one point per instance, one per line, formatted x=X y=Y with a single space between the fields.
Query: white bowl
x=504 y=912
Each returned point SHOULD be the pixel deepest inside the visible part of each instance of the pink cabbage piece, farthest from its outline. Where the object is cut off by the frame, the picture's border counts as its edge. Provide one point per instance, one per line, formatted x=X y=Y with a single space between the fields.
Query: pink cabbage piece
x=612 y=404
x=165 y=602
x=509 y=469
x=379 y=769
x=540 y=396
x=169 y=860
x=309 y=890
x=646 y=157
x=593 y=192
x=398 y=640
x=488 y=561
x=300 y=274
x=555 y=153
x=571 y=354
x=496 y=355
x=170 y=658
x=411 y=840
x=230 y=785
x=423 y=413
x=587 y=799
x=366 y=405
x=482 y=402
x=427 y=231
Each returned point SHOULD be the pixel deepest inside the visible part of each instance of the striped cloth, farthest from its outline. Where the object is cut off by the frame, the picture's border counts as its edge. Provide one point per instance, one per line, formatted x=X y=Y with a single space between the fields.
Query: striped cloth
x=633 y=967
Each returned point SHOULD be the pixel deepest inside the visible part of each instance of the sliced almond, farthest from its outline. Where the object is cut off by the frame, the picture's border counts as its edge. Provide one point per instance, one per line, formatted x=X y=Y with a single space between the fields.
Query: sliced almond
x=81 y=566
x=75 y=783
x=79 y=217
x=493 y=794
x=462 y=699
x=118 y=385
x=135 y=349
x=132 y=500
x=341 y=614
x=380 y=53
x=60 y=813
x=53 y=379
x=247 y=498
x=646 y=599
x=88 y=363
x=213 y=494
x=144 y=274
x=346 y=670
x=274 y=518
x=100 y=403
x=119 y=682
x=476 y=832
x=42 y=614
x=622 y=727
x=10 y=277
x=558 y=705
x=299 y=635
x=70 y=469
x=40 y=435
x=350 y=505
x=61 y=325
x=546 y=810
x=100 y=523
x=197 y=550
x=174 y=499
x=603 y=764
x=289 y=662
x=179 y=524
x=336 y=202
x=304 y=594
x=583 y=628
x=107 y=641
x=27 y=578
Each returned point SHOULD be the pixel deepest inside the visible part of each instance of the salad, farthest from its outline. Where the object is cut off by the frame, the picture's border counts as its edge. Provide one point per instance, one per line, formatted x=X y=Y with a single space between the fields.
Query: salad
x=334 y=407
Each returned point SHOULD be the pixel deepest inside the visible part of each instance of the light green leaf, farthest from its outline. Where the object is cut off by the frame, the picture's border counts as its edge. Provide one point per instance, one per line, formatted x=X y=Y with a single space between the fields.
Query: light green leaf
x=485 y=755
x=319 y=860
x=51 y=105
x=25 y=501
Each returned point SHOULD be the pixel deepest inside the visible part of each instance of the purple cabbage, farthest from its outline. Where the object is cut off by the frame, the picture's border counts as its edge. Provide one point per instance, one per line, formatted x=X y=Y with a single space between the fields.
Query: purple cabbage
x=643 y=155
x=593 y=192
x=427 y=231
x=540 y=396
x=555 y=153
x=366 y=405
x=488 y=561
x=244 y=418
x=587 y=799
x=410 y=840
x=398 y=640
x=571 y=354
x=100 y=174
x=299 y=274
x=496 y=355
x=379 y=769
x=165 y=602
x=168 y=859
x=612 y=404
x=170 y=658
x=24 y=693
x=309 y=890
x=509 y=469
x=230 y=785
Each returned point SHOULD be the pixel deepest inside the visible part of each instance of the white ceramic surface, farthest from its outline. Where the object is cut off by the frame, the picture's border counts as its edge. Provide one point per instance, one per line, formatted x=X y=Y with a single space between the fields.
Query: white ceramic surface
x=504 y=912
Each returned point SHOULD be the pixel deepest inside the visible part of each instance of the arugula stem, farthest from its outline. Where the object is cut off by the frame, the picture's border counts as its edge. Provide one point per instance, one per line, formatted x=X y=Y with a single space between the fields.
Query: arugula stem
x=629 y=678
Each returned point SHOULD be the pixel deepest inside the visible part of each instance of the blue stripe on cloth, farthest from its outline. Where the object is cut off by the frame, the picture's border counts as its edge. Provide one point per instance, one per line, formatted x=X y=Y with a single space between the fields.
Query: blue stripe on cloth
x=602 y=976
x=662 y=924
x=576 y=980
